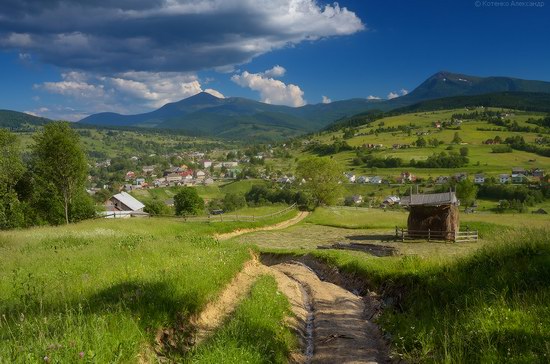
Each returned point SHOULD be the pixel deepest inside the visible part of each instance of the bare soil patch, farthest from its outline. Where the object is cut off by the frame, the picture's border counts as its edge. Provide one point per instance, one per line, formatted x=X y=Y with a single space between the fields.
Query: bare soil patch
x=333 y=325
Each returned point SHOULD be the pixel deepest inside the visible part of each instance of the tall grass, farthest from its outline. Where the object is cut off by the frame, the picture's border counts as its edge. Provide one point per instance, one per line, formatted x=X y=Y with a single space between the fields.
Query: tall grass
x=100 y=290
x=255 y=334
x=490 y=306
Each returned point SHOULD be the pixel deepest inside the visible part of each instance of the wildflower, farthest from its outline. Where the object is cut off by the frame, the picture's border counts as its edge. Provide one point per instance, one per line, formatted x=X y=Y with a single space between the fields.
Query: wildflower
x=81 y=354
x=46 y=359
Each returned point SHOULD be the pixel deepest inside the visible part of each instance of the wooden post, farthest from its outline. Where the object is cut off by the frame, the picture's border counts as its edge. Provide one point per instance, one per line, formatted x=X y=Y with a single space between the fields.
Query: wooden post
x=429 y=234
x=403 y=235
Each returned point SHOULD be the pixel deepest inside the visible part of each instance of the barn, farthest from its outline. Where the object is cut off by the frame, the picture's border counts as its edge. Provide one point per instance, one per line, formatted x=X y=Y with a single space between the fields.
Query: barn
x=124 y=205
x=432 y=215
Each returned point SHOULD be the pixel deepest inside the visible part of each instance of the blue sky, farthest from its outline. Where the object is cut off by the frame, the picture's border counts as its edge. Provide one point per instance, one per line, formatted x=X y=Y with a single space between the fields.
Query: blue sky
x=68 y=59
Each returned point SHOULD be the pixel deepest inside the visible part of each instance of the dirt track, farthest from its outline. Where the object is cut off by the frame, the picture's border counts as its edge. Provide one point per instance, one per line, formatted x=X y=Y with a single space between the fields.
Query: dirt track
x=284 y=224
x=331 y=322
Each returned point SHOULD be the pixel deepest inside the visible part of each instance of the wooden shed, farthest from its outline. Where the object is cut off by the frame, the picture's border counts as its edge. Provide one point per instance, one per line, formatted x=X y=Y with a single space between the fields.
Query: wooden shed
x=432 y=215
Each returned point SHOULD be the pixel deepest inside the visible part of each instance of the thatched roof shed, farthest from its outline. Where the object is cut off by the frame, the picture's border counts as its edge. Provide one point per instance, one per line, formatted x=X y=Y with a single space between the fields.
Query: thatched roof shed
x=436 y=213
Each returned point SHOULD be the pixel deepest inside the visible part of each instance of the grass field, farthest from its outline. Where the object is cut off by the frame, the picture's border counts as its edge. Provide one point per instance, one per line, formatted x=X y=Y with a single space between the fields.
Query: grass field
x=215 y=191
x=452 y=303
x=99 y=290
x=489 y=306
x=481 y=157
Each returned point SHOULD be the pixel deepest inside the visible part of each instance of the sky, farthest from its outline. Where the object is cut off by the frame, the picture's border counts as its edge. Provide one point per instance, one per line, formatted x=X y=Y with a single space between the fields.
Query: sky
x=68 y=59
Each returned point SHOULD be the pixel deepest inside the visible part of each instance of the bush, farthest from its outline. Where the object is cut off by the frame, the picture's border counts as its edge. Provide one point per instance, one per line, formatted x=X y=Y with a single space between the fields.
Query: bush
x=156 y=207
x=233 y=201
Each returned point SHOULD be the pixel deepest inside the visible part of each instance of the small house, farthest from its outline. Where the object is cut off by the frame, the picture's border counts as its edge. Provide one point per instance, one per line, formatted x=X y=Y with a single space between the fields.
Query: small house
x=518 y=178
x=504 y=178
x=519 y=170
x=436 y=213
x=173 y=177
x=350 y=177
x=391 y=200
x=124 y=202
x=148 y=169
x=479 y=179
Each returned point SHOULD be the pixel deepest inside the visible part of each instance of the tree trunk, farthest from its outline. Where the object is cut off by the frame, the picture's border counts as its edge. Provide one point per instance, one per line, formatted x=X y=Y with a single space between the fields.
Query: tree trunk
x=66 y=200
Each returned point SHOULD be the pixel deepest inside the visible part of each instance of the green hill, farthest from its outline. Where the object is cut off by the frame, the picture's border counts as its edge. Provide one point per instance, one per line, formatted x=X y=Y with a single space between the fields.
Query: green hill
x=20 y=121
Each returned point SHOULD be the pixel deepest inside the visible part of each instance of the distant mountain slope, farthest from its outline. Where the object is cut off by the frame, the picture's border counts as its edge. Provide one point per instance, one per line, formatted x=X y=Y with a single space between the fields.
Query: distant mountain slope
x=530 y=101
x=235 y=117
x=16 y=120
x=447 y=84
x=242 y=118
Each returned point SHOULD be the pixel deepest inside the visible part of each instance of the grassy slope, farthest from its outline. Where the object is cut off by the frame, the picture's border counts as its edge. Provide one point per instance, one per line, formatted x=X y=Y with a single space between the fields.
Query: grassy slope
x=488 y=162
x=489 y=303
x=102 y=288
x=490 y=306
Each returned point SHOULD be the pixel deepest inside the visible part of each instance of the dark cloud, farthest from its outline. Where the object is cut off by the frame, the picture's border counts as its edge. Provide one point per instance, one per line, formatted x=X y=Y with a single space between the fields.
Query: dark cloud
x=161 y=35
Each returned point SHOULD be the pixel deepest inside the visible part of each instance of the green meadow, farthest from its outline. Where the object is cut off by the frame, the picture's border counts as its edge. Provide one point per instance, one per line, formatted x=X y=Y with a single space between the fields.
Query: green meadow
x=477 y=302
x=101 y=290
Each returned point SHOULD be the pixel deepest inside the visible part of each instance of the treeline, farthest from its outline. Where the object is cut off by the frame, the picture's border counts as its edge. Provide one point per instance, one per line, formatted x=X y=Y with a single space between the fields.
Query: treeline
x=509 y=192
x=517 y=142
x=328 y=149
x=442 y=160
x=49 y=187
x=371 y=161
x=261 y=195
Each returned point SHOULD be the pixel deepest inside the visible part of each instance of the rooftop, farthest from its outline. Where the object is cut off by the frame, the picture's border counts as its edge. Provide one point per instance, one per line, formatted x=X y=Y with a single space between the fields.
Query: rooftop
x=433 y=199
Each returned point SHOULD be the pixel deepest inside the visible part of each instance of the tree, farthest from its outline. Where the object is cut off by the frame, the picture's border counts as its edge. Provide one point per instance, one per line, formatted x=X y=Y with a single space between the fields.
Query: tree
x=420 y=142
x=322 y=179
x=233 y=201
x=60 y=166
x=11 y=171
x=456 y=139
x=466 y=191
x=464 y=151
x=188 y=201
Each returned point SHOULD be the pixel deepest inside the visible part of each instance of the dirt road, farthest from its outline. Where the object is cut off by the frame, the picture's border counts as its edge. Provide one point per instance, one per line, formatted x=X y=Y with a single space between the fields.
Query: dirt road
x=284 y=224
x=330 y=322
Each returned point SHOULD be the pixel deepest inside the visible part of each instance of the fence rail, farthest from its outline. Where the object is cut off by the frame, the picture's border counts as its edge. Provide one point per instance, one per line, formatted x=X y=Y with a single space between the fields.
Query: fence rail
x=237 y=217
x=433 y=235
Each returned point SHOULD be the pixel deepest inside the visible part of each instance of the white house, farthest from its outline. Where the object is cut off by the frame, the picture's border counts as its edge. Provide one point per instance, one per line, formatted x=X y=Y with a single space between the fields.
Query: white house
x=479 y=179
x=124 y=202
x=376 y=180
x=350 y=176
x=518 y=178
x=173 y=177
x=206 y=164
x=504 y=178
x=391 y=200
x=363 y=179
x=200 y=175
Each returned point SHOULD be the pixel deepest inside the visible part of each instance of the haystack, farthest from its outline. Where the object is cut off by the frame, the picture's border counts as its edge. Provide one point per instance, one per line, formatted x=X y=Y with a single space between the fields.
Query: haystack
x=437 y=213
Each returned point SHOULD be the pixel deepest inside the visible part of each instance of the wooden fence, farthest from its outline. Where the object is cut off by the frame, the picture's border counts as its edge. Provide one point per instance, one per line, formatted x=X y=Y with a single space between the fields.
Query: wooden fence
x=236 y=217
x=431 y=235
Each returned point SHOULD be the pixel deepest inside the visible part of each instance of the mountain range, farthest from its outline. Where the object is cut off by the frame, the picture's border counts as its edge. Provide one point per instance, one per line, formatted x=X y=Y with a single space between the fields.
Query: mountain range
x=241 y=118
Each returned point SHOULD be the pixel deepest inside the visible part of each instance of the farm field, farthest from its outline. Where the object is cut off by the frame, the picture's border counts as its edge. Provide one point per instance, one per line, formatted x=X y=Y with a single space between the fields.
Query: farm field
x=101 y=290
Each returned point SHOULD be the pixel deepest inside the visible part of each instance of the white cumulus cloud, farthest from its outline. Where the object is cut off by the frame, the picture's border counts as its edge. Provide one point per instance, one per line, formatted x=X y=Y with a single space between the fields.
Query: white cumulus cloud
x=392 y=95
x=372 y=97
x=326 y=100
x=271 y=91
x=128 y=92
x=403 y=92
